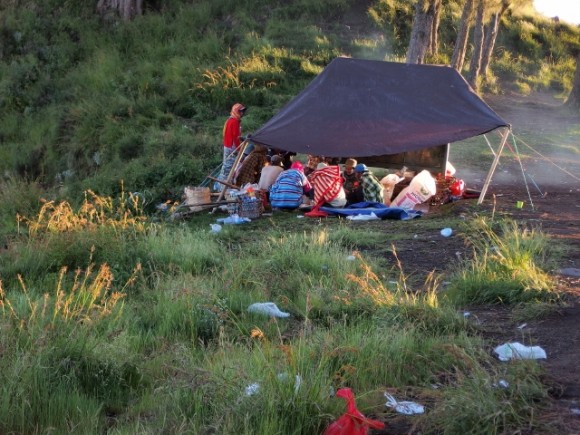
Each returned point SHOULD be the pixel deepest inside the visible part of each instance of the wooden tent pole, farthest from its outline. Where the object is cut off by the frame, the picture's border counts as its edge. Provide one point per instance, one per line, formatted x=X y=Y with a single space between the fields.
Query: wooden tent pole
x=240 y=150
x=493 y=165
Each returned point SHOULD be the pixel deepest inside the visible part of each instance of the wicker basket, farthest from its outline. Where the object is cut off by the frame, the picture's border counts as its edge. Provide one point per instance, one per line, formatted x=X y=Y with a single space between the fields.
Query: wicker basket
x=250 y=209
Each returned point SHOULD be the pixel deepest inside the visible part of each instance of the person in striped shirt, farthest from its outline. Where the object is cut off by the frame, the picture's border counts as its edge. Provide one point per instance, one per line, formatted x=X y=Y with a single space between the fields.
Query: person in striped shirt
x=288 y=190
x=327 y=184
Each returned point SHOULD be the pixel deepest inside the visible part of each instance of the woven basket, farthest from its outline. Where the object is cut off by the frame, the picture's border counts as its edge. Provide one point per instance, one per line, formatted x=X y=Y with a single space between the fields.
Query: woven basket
x=250 y=209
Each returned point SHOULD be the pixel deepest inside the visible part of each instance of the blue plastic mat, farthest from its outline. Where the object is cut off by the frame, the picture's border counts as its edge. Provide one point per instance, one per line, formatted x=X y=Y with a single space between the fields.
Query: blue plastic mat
x=381 y=210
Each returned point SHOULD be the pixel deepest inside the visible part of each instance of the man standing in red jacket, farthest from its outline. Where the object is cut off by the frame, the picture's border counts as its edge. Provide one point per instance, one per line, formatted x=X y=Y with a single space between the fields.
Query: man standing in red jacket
x=231 y=139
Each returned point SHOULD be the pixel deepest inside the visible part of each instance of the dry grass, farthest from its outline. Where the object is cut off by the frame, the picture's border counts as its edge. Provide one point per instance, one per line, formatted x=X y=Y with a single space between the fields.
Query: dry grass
x=96 y=211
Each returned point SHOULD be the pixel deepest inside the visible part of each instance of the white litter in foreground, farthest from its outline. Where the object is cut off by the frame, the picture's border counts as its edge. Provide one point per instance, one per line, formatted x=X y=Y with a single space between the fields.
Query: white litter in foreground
x=267 y=308
x=407 y=408
x=215 y=228
x=446 y=232
x=234 y=220
x=364 y=217
x=516 y=350
x=254 y=388
x=502 y=383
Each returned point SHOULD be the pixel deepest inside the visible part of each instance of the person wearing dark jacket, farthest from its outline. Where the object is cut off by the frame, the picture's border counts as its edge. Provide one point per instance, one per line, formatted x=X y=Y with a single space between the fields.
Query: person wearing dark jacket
x=351 y=184
x=251 y=167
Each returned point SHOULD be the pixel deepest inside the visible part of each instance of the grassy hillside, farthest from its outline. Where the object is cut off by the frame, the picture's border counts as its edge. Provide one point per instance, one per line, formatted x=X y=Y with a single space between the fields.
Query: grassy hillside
x=87 y=101
x=114 y=322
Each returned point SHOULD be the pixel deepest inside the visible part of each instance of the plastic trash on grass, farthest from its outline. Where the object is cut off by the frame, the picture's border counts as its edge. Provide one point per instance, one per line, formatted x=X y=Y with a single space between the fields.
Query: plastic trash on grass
x=268 y=309
x=407 y=408
x=352 y=422
x=254 y=388
x=446 y=232
x=516 y=350
x=215 y=228
x=234 y=220
x=364 y=217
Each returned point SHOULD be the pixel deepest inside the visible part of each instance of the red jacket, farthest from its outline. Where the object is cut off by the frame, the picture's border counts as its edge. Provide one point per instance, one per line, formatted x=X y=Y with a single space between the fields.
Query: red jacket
x=232 y=132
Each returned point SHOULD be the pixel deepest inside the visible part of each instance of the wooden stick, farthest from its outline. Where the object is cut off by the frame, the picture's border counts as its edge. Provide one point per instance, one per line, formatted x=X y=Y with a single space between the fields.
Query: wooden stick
x=240 y=150
x=208 y=203
x=225 y=183
x=493 y=165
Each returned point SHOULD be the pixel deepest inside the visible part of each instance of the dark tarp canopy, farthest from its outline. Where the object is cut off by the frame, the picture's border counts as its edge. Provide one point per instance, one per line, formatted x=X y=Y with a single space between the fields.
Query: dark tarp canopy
x=363 y=108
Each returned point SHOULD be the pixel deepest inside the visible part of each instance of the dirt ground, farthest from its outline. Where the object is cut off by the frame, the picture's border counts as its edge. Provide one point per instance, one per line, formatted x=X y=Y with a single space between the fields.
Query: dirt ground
x=553 y=205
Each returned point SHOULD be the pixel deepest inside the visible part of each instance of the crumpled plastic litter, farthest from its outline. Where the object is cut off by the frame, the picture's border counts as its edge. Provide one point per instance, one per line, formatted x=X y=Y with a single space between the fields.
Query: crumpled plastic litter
x=364 y=217
x=234 y=220
x=215 y=228
x=407 y=408
x=352 y=422
x=446 y=232
x=517 y=350
x=502 y=383
x=351 y=258
x=254 y=388
x=285 y=377
x=267 y=308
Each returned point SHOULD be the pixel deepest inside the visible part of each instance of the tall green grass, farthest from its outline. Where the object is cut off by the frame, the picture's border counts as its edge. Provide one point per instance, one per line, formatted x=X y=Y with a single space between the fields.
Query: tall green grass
x=175 y=349
x=507 y=266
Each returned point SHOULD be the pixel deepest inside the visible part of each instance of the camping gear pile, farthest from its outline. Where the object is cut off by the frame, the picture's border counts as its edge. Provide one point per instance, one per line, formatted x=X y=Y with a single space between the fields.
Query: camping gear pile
x=382 y=113
x=247 y=202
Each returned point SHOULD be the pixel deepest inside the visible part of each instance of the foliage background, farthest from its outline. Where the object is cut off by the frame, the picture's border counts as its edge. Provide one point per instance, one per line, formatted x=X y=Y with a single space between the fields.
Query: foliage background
x=88 y=100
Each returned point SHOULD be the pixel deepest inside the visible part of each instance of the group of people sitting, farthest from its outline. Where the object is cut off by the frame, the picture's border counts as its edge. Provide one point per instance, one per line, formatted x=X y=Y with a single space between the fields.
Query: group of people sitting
x=288 y=183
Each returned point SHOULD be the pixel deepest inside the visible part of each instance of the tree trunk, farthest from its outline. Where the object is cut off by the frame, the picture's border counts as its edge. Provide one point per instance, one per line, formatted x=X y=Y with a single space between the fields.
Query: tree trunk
x=421 y=32
x=491 y=31
x=478 y=36
x=461 y=41
x=127 y=9
x=434 y=40
x=574 y=97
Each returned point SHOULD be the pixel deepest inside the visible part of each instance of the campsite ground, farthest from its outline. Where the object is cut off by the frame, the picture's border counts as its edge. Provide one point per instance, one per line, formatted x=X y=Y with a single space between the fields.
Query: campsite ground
x=556 y=210
x=547 y=137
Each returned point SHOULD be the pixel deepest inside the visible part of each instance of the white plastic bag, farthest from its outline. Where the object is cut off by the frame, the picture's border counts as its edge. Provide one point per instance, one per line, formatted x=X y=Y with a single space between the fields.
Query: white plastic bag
x=234 y=220
x=407 y=408
x=363 y=217
x=516 y=350
x=268 y=309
